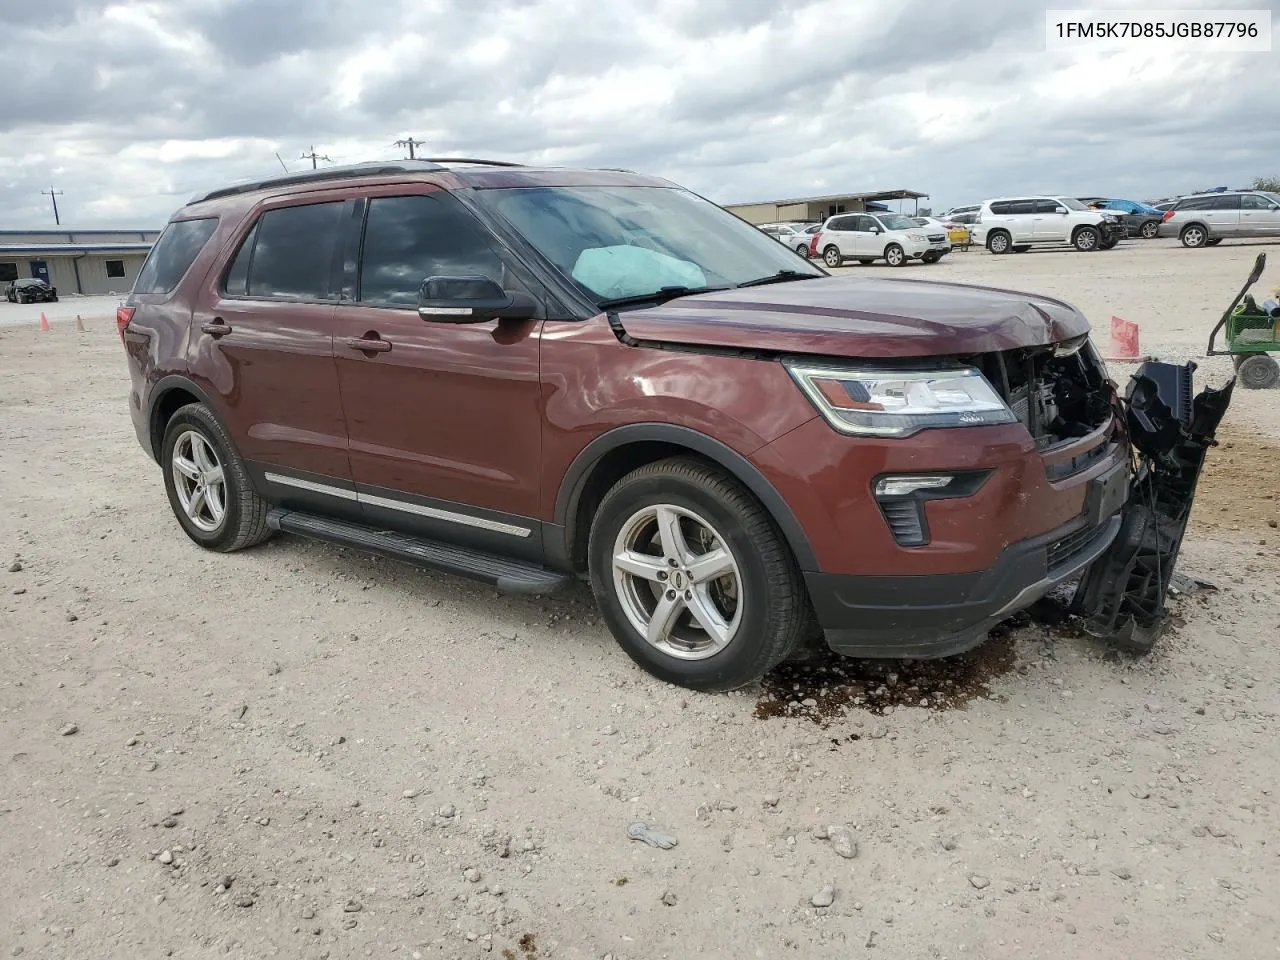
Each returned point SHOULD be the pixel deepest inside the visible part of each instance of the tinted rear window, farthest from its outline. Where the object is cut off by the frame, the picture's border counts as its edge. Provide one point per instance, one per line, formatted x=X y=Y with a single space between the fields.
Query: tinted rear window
x=173 y=254
x=292 y=254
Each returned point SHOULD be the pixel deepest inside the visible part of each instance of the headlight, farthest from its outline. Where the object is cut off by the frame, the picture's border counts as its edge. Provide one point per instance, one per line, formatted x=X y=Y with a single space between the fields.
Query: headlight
x=898 y=403
x=916 y=236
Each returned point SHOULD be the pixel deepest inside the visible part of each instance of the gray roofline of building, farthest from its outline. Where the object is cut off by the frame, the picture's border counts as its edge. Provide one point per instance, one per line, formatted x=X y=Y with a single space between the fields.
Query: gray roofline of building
x=49 y=249
x=87 y=231
x=873 y=195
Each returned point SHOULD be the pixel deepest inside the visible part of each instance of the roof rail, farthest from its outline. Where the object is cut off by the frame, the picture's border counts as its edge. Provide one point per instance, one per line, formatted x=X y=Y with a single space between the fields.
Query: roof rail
x=487 y=163
x=376 y=168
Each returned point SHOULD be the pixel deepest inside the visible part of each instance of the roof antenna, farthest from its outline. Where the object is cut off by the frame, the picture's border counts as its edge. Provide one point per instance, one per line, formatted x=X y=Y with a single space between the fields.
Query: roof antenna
x=286 y=169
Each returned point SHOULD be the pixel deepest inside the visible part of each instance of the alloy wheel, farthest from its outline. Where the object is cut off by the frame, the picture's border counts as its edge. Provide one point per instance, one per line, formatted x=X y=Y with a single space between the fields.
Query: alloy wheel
x=677 y=581
x=200 y=481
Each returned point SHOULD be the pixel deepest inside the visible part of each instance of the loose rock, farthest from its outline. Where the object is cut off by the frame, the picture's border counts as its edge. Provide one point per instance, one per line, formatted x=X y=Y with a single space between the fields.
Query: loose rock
x=979 y=882
x=651 y=836
x=352 y=906
x=15 y=567
x=878 y=731
x=166 y=858
x=842 y=841
x=669 y=898
x=244 y=901
x=824 y=897
x=1122 y=872
x=69 y=730
x=471 y=874
x=448 y=811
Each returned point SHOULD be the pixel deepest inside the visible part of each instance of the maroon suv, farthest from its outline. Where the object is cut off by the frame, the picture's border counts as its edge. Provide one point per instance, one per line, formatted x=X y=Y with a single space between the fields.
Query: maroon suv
x=529 y=375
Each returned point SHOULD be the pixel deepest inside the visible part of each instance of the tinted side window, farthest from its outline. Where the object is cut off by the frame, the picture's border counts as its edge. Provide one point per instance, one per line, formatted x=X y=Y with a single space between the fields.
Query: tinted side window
x=841 y=223
x=1251 y=201
x=237 y=284
x=1022 y=206
x=1001 y=208
x=173 y=254
x=292 y=256
x=1044 y=206
x=408 y=239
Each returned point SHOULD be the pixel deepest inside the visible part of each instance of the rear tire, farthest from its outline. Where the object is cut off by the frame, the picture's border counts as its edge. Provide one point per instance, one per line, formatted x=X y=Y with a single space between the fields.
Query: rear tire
x=998 y=242
x=1194 y=236
x=210 y=491
x=832 y=257
x=1258 y=371
x=1086 y=239
x=758 y=606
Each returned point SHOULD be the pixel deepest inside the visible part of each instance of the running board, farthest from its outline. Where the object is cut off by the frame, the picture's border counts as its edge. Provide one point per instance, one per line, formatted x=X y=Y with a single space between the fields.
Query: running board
x=509 y=576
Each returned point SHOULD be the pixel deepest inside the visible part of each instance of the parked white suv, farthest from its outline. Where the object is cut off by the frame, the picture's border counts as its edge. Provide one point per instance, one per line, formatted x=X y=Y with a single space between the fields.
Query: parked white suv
x=1019 y=223
x=890 y=237
x=1207 y=219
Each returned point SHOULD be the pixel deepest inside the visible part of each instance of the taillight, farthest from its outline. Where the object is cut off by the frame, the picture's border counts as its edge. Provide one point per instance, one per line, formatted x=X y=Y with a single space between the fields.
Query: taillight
x=1167 y=215
x=813 y=244
x=123 y=316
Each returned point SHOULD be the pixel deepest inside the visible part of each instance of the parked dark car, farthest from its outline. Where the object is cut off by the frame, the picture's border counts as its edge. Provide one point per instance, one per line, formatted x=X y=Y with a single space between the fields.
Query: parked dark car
x=1139 y=219
x=31 y=290
x=530 y=376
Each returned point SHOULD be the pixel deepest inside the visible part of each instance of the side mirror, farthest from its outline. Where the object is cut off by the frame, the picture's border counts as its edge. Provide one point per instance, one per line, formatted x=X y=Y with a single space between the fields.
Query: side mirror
x=471 y=300
x=1059 y=209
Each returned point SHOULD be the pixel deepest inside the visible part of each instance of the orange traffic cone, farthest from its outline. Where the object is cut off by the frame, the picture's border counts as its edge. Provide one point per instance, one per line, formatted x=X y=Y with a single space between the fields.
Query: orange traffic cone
x=79 y=324
x=44 y=322
x=1124 y=340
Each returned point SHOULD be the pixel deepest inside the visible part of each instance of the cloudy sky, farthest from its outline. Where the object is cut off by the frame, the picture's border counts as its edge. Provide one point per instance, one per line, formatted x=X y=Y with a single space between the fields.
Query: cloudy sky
x=130 y=107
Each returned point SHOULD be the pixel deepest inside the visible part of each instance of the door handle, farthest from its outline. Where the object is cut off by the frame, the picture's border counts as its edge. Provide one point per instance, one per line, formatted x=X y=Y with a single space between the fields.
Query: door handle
x=373 y=344
x=218 y=328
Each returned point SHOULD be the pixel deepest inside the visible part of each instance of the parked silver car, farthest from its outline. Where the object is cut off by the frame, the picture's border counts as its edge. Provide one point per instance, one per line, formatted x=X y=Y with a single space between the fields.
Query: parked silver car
x=794 y=235
x=1209 y=218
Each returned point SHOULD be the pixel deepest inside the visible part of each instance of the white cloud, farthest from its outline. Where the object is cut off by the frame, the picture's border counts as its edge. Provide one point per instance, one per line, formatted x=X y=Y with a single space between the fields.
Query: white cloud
x=132 y=106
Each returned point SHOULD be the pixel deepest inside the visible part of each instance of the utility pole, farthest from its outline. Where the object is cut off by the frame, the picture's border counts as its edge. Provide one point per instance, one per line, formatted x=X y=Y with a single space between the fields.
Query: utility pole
x=410 y=143
x=313 y=157
x=53 y=195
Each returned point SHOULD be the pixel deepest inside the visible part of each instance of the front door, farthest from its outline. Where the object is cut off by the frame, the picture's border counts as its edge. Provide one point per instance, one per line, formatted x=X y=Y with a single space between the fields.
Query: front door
x=444 y=419
x=1259 y=216
x=40 y=270
x=262 y=344
x=866 y=237
x=1049 y=225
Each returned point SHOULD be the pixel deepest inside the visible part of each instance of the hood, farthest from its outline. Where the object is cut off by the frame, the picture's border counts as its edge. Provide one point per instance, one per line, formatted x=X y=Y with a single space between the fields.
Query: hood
x=860 y=317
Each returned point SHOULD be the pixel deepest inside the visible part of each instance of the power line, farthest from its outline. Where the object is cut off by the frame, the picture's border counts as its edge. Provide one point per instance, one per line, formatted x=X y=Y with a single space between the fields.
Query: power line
x=314 y=157
x=53 y=195
x=410 y=143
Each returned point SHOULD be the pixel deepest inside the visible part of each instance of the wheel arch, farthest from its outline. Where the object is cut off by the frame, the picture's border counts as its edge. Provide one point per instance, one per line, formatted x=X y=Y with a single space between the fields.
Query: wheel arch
x=614 y=454
x=167 y=396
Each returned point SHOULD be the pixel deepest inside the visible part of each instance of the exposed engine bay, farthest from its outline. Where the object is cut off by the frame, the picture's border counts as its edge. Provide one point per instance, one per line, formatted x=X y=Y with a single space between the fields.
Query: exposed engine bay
x=1058 y=392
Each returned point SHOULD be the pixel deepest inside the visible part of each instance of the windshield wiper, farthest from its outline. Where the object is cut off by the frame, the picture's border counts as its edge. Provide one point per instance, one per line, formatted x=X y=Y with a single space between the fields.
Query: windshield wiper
x=661 y=295
x=782 y=276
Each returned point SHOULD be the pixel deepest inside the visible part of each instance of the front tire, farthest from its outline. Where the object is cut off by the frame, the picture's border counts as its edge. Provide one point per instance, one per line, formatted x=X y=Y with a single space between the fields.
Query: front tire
x=693 y=578
x=895 y=256
x=1150 y=230
x=208 y=486
x=1194 y=236
x=1086 y=239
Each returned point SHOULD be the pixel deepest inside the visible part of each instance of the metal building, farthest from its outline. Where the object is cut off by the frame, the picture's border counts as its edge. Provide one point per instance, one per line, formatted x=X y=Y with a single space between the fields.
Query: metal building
x=816 y=209
x=76 y=261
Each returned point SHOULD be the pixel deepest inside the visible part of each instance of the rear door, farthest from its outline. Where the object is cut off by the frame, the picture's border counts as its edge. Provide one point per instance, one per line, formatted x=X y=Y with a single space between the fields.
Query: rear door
x=262 y=343
x=1259 y=216
x=840 y=232
x=1223 y=215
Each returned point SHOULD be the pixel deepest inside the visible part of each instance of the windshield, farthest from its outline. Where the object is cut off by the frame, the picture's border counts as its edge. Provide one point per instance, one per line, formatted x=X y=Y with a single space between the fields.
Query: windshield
x=894 y=221
x=1072 y=204
x=625 y=241
x=1273 y=197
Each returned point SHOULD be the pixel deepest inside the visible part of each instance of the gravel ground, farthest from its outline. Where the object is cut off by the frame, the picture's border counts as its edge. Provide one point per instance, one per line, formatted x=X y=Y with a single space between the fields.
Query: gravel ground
x=299 y=751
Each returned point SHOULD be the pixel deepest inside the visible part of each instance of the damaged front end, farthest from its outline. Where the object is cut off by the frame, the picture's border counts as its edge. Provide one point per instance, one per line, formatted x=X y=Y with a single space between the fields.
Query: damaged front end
x=1121 y=596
